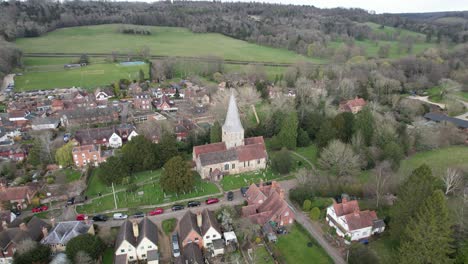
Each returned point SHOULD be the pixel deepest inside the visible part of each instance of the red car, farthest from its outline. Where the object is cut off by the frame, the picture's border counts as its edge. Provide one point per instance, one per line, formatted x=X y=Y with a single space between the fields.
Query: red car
x=156 y=211
x=81 y=217
x=40 y=208
x=212 y=200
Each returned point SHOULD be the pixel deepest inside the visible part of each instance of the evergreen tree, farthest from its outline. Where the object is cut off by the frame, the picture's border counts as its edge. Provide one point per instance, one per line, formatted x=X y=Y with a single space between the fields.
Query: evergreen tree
x=177 y=176
x=167 y=147
x=287 y=137
x=326 y=133
x=34 y=155
x=215 y=132
x=93 y=246
x=138 y=154
x=411 y=195
x=427 y=236
x=35 y=253
x=303 y=139
x=365 y=124
x=282 y=162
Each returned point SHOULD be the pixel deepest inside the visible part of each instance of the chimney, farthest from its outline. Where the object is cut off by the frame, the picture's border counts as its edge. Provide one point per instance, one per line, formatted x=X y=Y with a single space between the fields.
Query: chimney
x=356 y=211
x=281 y=194
x=199 y=219
x=45 y=233
x=4 y=225
x=136 y=232
x=344 y=200
x=23 y=227
x=52 y=222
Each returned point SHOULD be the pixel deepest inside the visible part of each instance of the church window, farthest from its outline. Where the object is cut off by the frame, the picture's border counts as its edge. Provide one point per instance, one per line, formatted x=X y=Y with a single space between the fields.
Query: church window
x=226 y=166
x=233 y=166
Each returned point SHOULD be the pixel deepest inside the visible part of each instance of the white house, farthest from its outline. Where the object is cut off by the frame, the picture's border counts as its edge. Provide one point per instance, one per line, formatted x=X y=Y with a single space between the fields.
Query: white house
x=132 y=134
x=209 y=227
x=137 y=242
x=115 y=141
x=350 y=221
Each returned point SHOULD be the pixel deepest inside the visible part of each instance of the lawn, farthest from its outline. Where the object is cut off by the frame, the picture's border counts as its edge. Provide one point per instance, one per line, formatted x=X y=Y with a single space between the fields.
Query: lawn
x=72 y=175
x=169 y=225
x=434 y=95
x=391 y=31
x=262 y=256
x=439 y=160
x=293 y=247
x=148 y=194
x=50 y=76
x=231 y=182
x=310 y=152
x=168 y=41
x=108 y=256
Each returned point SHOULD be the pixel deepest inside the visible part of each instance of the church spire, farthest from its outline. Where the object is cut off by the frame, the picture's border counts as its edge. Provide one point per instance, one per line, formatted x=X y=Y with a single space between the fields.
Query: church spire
x=232 y=122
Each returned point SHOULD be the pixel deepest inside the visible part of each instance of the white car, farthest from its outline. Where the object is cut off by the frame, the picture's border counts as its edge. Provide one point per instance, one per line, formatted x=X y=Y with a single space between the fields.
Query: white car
x=120 y=216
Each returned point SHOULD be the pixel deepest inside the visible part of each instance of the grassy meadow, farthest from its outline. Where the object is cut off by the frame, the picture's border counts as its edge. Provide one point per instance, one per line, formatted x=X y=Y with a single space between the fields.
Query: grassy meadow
x=167 y=41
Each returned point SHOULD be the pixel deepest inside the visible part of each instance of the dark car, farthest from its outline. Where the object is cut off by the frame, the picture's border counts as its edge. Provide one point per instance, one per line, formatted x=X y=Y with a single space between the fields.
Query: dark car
x=71 y=201
x=193 y=204
x=244 y=190
x=281 y=230
x=100 y=218
x=177 y=207
x=139 y=215
x=230 y=196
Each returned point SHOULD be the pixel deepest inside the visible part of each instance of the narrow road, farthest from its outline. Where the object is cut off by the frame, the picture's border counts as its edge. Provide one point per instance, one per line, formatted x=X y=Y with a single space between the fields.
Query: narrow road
x=425 y=99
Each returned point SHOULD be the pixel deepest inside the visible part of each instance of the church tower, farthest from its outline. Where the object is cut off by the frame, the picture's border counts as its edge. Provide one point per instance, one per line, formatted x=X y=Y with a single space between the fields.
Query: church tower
x=233 y=132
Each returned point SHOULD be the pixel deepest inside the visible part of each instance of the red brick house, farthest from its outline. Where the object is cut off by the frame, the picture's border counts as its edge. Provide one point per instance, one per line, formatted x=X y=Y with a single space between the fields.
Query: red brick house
x=267 y=204
x=20 y=195
x=142 y=101
x=189 y=232
x=87 y=154
x=13 y=152
x=354 y=106
x=57 y=105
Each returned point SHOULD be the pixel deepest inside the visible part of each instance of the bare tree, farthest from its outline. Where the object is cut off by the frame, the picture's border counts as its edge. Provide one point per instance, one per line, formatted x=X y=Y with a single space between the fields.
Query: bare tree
x=382 y=174
x=83 y=258
x=339 y=159
x=26 y=246
x=452 y=179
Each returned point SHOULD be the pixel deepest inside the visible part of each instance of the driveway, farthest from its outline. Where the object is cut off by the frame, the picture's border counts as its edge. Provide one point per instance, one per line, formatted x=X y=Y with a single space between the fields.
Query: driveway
x=426 y=100
x=9 y=78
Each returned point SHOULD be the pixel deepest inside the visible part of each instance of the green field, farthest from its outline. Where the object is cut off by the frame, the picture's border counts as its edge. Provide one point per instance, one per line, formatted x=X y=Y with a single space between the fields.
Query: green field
x=391 y=31
x=168 y=41
x=439 y=160
x=231 y=182
x=293 y=247
x=48 y=73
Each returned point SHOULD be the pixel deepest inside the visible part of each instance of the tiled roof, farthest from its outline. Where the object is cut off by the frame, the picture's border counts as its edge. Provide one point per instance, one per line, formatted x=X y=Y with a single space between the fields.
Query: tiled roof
x=89 y=135
x=16 y=235
x=209 y=220
x=254 y=140
x=346 y=207
x=209 y=148
x=16 y=193
x=125 y=234
x=355 y=102
x=218 y=157
x=64 y=231
x=361 y=219
x=251 y=152
x=187 y=224
x=149 y=230
x=192 y=254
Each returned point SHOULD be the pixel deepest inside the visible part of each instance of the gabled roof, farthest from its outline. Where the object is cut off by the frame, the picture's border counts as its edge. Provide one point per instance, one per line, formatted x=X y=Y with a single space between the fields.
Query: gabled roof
x=438 y=117
x=125 y=234
x=346 y=207
x=361 y=219
x=192 y=254
x=17 y=193
x=187 y=224
x=232 y=122
x=16 y=234
x=90 y=135
x=209 y=148
x=149 y=230
x=208 y=221
x=251 y=152
x=64 y=231
x=218 y=157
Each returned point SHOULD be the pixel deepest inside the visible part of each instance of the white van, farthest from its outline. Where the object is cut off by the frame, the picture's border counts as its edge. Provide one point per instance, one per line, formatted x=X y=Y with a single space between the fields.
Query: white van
x=120 y=216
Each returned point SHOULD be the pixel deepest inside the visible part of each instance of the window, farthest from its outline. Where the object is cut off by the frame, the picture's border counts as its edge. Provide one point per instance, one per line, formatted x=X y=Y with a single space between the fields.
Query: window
x=149 y=246
x=226 y=166
x=258 y=161
x=129 y=249
x=196 y=240
x=248 y=163
x=286 y=214
x=131 y=257
x=214 y=235
x=142 y=247
x=122 y=250
x=143 y=255
x=207 y=237
x=233 y=166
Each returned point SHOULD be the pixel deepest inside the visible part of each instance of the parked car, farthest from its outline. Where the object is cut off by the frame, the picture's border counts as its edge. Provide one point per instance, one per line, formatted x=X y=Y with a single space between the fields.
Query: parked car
x=281 y=230
x=139 y=215
x=243 y=191
x=81 y=217
x=120 y=216
x=71 y=201
x=40 y=208
x=230 y=196
x=175 y=246
x=16 y=212
x=212 y=200
x=193 y=204
x=156 y=211
x=100 y=218
x=177 y=207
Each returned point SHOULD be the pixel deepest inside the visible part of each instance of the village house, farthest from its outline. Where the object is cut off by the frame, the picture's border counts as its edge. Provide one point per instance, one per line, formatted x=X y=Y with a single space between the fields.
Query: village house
x=57 y=105
x=18 y=117
x=164 y=104
x=183 y=128
x=201 y=229
x=134 y=88
x=354 y=106
x=267 y=204
x=13 y=152
x=83 y=116
x=137 y=242
x=88 y=154
x=441 y=118
x=191 y=254
x=112 y=137
x=11 y=237
x=63 y=232
x=235 y=154
x=103 y=94
x=349 y=221
x=45 y=123
x=142 y=101
x=21 y=196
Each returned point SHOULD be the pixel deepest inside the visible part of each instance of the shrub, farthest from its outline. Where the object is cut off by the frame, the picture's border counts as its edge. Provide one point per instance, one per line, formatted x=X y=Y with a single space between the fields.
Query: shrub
x=258 y=240
x=50 y=180
x=282 y=162
x=299 y=195
x=315 y=213
x=306 y=205
x=169 y=225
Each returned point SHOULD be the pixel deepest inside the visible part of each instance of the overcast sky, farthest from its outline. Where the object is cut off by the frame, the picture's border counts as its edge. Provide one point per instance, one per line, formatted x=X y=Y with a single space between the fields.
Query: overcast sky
x=379 y=6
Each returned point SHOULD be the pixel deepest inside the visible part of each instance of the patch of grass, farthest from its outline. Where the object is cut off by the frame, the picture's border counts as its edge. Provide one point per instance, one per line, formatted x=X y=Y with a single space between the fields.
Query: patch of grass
x=108 y=256
x=72 y=175
x=170 y=41
x=293 y=247
x=55 y=76
x=262 y=256
x=310 y=152
x=169 y=225
x=439 y=160
x=392 y=31
x=231 y=182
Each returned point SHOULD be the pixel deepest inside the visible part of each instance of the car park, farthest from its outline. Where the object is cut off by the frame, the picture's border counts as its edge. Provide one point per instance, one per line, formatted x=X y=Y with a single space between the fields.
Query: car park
x=156 y=211
x=212 y=200
x=230 y=196
x=81 y=217
x=119 y=216
x=100 y=218
x=138 y=215
x=177 y=207
x=175 y=246
x=193 y=204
